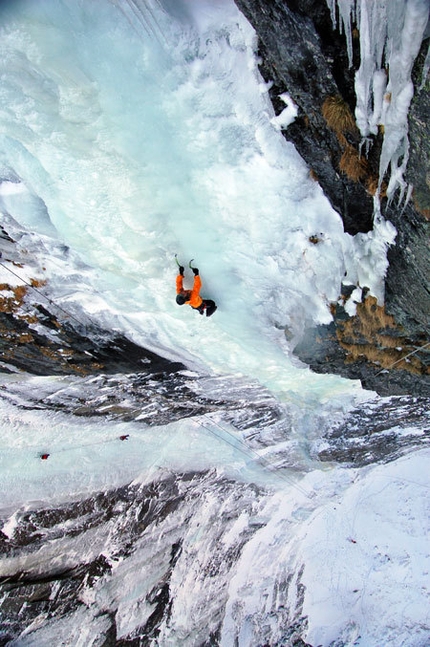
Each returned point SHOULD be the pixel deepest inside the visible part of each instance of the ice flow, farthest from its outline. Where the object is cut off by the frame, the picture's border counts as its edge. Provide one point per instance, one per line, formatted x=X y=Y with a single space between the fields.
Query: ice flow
x=139 y=139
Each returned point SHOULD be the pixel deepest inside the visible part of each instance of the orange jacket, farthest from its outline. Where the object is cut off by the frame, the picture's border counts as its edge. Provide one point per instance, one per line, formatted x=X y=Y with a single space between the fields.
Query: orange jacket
x=194 y=300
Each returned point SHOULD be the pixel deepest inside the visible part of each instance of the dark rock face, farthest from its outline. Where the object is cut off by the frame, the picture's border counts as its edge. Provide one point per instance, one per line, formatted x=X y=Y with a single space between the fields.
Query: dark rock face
x=153 y=398
x=94 y=352
x=407 y=283
x=137 y=534
x=302 y=55
x=380 y=432
x=320 y=349
x=417 y=172
x=370 y=347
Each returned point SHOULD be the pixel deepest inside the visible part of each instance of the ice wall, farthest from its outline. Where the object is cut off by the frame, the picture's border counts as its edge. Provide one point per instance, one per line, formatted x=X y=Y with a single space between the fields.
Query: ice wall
x=391 y=34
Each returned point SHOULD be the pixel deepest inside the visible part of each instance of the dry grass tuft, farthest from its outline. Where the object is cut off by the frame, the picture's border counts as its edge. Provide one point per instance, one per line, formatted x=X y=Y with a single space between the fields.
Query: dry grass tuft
x=11 y=304
x=373 y=317
x=20 y=291
x=25 y=338
x=341 y=121
x=422 y=205
x=339 y=117
x=372 y=183
x=37 y=283
x=374 y=336
x=353 y=165
x=313 y=175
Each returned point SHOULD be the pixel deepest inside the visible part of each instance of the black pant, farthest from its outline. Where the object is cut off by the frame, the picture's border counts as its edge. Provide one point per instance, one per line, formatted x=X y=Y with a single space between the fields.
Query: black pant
x=208 y=305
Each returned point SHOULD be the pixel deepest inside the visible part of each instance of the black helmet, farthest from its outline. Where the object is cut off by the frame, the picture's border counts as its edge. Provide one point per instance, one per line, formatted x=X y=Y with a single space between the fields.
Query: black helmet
x=180 y=299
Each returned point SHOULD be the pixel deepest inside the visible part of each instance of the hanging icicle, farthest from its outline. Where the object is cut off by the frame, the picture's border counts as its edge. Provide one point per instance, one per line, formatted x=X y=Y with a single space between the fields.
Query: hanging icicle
x=391 y=34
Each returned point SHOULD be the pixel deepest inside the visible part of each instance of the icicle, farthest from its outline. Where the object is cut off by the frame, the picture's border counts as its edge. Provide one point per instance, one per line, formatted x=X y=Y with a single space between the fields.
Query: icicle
x=379 y=84
x=395 y=144
x=346 y=11
x=392 y=31
x=426 y=69
x=332 y=6
x=402 y=54
x=408 y=196
x=365 y=73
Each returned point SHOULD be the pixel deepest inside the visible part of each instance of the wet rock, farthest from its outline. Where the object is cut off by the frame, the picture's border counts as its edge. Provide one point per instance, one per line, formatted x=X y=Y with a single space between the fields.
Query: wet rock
x=303 y=55
x=157 y=399
x=380 y=431
x=370 y=347
x=26 y=348
x=417 y=171
x=67 y=564
x=407 y=285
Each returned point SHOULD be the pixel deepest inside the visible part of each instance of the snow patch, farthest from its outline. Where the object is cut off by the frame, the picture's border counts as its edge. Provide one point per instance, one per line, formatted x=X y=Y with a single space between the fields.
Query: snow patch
x=288 y=114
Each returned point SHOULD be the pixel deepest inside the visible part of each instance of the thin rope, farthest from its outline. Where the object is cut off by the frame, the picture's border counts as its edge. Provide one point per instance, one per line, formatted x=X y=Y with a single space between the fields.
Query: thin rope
x=236 y=443
x=66 y=312
x=402 y=358
x=69 y=314
x=104 y=441
x=253 y=454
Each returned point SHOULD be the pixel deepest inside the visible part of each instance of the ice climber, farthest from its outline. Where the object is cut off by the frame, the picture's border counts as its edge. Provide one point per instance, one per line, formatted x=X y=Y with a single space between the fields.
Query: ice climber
x=192 y=297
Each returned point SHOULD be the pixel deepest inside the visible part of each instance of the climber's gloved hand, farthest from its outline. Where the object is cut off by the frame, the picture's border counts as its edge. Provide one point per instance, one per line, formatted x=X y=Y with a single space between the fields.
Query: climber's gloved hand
x=195 y=270
x=181 y=270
